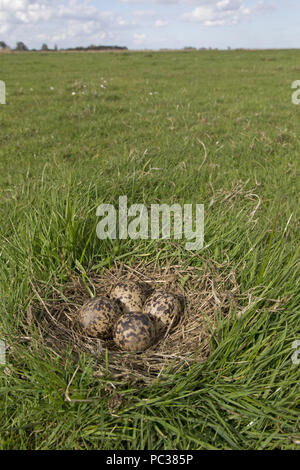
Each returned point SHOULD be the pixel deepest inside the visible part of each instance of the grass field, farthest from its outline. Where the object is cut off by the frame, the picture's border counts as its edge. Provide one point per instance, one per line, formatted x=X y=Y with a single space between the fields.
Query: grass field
x=222 y=130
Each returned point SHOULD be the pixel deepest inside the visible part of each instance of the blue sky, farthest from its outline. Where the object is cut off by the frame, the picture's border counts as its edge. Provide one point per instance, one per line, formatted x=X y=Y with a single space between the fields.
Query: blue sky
x=152 y=24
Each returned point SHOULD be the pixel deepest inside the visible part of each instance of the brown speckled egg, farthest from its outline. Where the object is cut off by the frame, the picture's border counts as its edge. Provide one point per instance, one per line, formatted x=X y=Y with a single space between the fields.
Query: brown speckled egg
x=134 y=332
x=129 y=295
x=98 y=316
x=165 y=308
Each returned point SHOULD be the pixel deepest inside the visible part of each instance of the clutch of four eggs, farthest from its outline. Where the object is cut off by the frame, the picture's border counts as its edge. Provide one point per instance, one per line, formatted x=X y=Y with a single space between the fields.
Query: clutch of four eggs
x=129 y=317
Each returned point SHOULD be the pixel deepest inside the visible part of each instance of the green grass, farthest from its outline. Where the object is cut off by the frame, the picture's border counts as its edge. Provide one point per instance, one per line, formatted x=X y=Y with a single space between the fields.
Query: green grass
x=61 y=155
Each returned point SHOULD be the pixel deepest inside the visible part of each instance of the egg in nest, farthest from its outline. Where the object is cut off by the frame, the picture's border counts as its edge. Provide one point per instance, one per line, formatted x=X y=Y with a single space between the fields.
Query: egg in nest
x=134 y=332
x=129 y=295
x=98 y=316
x=165 y=308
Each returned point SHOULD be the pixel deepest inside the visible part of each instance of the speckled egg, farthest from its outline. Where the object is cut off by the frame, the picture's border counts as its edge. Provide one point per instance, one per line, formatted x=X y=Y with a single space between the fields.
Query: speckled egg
x=129 y=295
x=134 y=332
x=98 y=316
x=165 y=308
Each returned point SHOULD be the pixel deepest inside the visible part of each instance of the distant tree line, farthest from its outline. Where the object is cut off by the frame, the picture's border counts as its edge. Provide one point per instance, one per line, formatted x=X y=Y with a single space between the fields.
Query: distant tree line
x=21 y=47
x=3 y=45
x=92 y=47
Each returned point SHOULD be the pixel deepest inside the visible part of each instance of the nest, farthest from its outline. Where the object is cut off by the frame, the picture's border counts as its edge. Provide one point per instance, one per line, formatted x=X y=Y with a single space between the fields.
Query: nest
x=208 y=297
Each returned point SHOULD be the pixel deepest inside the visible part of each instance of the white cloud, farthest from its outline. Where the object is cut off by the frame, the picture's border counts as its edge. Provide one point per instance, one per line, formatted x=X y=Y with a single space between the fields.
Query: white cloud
x=139 y=37
x=160 y=23
x=4 y=28
x=218 y=13
x=13 y=5
x=74 y=22
x=265 y=7
x=70 y=23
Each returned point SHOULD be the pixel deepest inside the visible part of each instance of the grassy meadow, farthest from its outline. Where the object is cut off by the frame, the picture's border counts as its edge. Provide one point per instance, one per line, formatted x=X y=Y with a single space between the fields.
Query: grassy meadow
x=210 y=127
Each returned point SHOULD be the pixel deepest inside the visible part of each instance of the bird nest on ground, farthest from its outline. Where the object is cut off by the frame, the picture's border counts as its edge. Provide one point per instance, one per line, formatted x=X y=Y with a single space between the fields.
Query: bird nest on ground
x=209 y=294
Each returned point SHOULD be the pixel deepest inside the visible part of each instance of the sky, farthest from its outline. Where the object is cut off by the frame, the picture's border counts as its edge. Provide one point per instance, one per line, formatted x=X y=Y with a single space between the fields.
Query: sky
x=152 y=24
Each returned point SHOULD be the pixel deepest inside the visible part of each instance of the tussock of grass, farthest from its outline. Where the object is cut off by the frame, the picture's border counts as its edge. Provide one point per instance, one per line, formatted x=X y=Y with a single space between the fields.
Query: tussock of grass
x=208 y=297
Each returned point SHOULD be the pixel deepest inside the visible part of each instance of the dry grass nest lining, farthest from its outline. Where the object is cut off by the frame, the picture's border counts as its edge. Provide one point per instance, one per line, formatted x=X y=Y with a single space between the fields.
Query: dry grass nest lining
x=207 y=295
